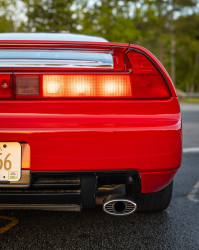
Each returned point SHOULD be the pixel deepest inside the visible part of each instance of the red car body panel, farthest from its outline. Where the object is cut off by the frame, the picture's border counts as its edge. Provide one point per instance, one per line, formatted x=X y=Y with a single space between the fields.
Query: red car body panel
x=98 y=135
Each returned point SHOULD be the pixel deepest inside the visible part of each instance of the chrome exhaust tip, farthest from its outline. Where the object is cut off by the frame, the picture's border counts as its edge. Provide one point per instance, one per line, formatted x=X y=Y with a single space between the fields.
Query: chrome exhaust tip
x=119 y=205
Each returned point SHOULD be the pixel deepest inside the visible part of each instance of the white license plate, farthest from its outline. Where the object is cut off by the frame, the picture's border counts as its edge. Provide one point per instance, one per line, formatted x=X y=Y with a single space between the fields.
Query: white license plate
x=10 y=161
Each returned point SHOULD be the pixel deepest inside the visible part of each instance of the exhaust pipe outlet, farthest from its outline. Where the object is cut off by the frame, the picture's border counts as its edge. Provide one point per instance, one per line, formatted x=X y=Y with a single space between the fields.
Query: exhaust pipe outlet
x=119 y=205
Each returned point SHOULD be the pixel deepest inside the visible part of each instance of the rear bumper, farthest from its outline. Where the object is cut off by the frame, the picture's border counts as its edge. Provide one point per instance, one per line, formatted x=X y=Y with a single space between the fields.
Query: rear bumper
x=70 y=190
x=61 y=187
x=148 y=182
x=126 y=136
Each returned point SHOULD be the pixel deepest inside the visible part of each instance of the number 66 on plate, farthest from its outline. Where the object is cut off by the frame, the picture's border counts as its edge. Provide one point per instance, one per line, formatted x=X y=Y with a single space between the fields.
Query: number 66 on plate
x=10 y=161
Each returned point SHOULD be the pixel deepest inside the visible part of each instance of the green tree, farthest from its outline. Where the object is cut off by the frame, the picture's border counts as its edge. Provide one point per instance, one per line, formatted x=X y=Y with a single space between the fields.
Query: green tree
x=159 y=19
x=110 y=19
x=6 y=14
x=49 y=15
x=187 y=52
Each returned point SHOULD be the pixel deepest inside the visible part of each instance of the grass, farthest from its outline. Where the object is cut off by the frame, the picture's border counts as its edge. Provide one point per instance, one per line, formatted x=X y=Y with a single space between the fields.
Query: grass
x=190 y=100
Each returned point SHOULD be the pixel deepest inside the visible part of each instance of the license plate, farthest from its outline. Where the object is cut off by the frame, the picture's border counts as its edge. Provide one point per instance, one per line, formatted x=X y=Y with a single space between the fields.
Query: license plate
x=10 y=161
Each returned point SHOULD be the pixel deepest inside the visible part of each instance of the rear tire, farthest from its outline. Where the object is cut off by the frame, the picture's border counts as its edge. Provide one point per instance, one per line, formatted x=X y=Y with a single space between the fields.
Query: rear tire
x=150 y=201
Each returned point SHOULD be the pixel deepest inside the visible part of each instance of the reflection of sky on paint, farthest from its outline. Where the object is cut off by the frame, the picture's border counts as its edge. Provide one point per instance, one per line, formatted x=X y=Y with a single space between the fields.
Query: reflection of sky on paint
x=100 y=57
x=51 y=36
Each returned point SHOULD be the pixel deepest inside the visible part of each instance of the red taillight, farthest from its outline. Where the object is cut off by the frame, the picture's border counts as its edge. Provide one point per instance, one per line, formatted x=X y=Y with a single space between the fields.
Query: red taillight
x=27 y=86
x=147 y=81
x=5 y=88
x=144 y=82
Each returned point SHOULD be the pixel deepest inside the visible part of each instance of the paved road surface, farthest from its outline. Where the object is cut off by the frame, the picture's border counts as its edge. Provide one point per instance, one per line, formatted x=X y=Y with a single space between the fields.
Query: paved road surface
x=190 y=117
x=175 y=228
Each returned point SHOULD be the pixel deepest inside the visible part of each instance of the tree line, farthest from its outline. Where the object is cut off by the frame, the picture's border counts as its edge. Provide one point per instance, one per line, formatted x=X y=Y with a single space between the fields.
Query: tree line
x=168 y=28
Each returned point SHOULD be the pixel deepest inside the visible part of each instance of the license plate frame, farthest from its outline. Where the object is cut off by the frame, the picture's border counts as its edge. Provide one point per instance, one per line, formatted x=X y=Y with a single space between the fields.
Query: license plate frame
x=10 y=161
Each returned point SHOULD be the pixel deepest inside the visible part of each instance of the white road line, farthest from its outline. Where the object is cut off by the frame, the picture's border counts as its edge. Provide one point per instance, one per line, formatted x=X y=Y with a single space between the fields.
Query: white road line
x=195 y=190
x=191 y=150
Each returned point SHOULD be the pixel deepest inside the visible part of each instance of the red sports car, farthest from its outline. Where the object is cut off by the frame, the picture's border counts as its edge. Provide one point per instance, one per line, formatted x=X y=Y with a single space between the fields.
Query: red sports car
x=81 y=116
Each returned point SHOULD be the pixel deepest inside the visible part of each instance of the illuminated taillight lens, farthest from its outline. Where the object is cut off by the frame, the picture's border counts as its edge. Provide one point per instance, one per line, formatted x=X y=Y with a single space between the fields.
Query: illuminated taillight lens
x=147 y=81
x=27 y=85
x=86 y=86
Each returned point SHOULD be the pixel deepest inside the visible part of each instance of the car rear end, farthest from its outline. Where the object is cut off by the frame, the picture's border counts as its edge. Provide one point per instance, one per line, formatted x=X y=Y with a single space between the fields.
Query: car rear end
x=80 y=117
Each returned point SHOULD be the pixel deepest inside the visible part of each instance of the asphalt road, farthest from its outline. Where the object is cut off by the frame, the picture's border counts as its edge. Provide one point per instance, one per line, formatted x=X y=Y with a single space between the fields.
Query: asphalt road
x=175 y=228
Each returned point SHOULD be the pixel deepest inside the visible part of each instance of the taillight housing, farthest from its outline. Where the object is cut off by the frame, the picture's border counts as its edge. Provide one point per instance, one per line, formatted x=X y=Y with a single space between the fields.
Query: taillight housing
x=55 y=86
x=141 y=79
x=147 y=81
